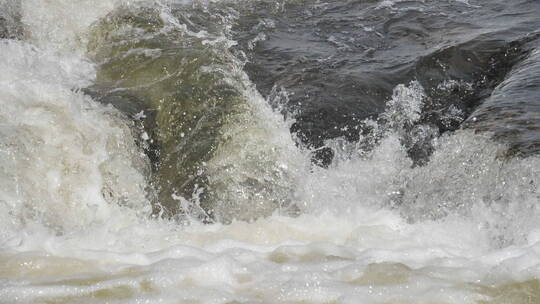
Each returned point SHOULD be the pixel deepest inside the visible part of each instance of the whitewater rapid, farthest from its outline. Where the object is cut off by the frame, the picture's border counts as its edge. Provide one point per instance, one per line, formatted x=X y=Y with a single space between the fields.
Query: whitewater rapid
x=76 y=222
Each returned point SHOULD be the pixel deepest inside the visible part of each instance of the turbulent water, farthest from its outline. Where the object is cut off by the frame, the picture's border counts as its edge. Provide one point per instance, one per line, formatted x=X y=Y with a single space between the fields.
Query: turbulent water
x=254 y=151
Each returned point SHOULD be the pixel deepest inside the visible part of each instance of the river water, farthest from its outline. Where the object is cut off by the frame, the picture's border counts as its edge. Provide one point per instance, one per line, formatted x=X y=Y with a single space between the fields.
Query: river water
x=254 y=151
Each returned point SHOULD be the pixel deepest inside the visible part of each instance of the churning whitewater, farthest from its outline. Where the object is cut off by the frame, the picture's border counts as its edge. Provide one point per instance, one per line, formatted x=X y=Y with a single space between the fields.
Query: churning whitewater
x=269 y=152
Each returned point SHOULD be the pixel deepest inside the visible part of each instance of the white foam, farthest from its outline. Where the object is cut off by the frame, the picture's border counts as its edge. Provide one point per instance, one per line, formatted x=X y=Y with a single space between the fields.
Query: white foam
x=60 y=150
x=62 y=24
x=373 y=229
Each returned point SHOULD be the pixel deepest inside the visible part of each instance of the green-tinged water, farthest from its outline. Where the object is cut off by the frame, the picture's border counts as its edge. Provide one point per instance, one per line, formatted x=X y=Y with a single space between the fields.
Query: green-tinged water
x=192 y=96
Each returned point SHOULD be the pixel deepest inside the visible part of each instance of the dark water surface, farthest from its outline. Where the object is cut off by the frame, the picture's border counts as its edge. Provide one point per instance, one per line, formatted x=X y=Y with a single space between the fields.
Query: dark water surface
x=340 y=60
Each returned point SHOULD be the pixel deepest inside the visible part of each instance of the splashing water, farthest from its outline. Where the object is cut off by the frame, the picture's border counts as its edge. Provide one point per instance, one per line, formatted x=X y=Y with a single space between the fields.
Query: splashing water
x=76 y=222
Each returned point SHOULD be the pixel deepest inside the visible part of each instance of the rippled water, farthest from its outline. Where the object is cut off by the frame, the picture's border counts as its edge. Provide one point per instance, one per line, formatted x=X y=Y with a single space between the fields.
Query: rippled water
x=269 y=152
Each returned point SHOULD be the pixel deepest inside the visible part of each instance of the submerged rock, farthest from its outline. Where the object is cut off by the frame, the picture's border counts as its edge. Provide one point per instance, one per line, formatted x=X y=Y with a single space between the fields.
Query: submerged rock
x=218 y=151
x=512 y=112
